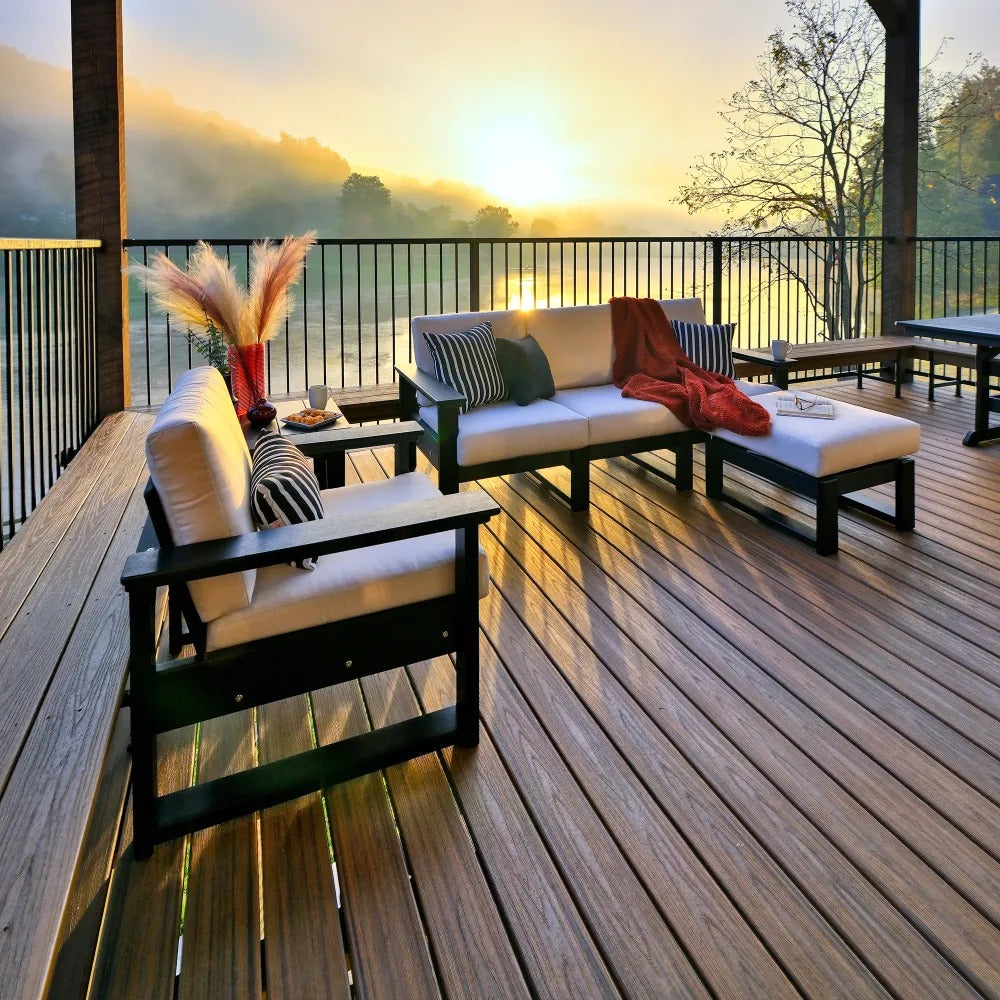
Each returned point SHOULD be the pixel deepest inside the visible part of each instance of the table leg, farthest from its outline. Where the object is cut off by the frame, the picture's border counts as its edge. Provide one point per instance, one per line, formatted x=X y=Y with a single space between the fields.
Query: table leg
x=981 y=428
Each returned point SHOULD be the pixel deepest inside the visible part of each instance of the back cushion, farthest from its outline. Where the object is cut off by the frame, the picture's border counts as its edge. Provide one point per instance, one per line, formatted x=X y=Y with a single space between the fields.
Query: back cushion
x=686 y=310
x=577 y=342
x=508 y=323
x=199 y=463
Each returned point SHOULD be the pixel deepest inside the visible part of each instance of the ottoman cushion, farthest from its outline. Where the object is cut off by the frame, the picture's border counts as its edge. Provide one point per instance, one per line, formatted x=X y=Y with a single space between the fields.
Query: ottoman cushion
x=854 y=438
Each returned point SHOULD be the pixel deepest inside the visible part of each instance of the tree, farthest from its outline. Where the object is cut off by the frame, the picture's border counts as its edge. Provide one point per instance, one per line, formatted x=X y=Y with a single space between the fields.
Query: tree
x=365 y=204
x=960 y=189
x=493 y=220
x=804 y=152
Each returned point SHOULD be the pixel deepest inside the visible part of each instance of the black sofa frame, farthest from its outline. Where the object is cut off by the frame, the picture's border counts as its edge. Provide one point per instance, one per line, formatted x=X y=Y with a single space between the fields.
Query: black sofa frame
x=182 y=691
x=440 y=446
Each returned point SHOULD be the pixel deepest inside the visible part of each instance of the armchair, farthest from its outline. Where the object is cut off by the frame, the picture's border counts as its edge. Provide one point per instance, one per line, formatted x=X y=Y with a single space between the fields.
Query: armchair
x=398 y=579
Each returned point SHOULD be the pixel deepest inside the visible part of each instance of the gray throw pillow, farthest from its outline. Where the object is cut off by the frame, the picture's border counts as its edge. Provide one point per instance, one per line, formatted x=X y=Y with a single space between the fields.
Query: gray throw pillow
x=525 y=370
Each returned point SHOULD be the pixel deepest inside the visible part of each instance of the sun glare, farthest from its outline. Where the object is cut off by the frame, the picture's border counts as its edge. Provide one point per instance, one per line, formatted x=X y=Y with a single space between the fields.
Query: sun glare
x=523 y=167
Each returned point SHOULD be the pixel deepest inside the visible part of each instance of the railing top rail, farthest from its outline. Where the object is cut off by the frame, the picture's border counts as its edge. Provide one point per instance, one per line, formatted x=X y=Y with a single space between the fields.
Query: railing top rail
x=954 y=239
x=451 y=240
x=26 y=243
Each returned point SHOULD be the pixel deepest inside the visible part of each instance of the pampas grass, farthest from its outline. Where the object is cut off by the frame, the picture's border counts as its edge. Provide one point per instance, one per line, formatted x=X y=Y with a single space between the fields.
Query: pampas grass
x=208 y=295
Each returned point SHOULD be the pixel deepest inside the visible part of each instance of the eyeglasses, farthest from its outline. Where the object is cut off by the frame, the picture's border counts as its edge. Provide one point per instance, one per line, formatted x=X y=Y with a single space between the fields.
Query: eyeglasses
x=804 y=402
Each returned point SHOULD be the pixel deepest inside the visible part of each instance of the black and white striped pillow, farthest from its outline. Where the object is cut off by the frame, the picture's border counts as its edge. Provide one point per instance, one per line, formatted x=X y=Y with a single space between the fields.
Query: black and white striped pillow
x=283 y=487
x=709 y=347
x=467 y=361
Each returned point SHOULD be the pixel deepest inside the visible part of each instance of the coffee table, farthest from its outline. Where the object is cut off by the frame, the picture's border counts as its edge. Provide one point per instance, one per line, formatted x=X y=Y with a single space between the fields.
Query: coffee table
x=328 y=446
x=984 y=332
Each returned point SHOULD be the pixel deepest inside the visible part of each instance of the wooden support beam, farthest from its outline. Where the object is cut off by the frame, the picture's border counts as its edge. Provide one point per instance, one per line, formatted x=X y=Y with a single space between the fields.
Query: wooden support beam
x=899 y=197
x=99 y=147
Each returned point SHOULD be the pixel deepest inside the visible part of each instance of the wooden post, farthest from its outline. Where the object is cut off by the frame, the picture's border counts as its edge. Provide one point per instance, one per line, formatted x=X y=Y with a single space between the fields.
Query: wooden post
x=899 y=188
x=99 y=148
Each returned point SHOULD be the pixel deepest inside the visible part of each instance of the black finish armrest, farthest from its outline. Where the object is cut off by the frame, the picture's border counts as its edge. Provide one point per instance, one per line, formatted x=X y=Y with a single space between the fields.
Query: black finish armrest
x=162 y=567
x=759 y=358
x=339 y=439
x=437 y=392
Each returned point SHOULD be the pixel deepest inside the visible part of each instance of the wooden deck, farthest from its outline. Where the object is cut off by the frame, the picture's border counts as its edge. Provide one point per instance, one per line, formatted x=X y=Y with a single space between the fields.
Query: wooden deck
x=712 y=764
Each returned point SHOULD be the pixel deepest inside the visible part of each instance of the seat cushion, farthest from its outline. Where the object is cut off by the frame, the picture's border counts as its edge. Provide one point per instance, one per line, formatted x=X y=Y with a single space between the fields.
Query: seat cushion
x=347 y=584
x=754 y=388
x=467 y=361
x=525 y=370
x=199 y=463
x=614 y=418
x=505 y=430
x=853 y=438
x=507 y=323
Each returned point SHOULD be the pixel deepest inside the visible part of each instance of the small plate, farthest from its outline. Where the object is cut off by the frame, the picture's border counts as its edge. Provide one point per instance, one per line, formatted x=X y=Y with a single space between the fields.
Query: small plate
x=294 y=424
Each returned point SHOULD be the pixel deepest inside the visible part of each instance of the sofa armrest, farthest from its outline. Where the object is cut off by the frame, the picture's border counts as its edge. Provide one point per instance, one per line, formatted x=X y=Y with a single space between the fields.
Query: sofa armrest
x=339 y=439
x=164 y=567
x=437 y=392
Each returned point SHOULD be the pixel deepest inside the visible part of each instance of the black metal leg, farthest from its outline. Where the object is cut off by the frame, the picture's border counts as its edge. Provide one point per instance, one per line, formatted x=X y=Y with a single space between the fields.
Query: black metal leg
x=958 y=381
x=930 y=377
x=981 y=428
x=142 y=671
x=579 y=472
x=467 y=652
x=897 y=375
x=331 y=470
x=713 y=470
x=175 y=624
x=781 y=376
x=827 y=514
x=684 y=467
x=405 y=457
x=861 y=374
x=905 y=494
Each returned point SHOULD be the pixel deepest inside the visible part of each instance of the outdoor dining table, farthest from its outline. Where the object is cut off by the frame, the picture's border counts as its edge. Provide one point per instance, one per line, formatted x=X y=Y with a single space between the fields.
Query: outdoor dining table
x=984 y=332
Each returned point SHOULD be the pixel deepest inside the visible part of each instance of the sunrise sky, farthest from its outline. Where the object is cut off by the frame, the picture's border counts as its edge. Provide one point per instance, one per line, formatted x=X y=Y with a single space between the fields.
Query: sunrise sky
x=608 y=103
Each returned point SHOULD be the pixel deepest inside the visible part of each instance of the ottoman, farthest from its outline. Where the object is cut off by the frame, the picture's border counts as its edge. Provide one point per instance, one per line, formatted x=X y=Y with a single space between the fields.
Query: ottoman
x=824 y=460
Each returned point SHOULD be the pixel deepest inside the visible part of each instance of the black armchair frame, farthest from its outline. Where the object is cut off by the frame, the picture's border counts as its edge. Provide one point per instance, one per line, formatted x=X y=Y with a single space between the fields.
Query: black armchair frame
x=440 y=446
x=182 y=691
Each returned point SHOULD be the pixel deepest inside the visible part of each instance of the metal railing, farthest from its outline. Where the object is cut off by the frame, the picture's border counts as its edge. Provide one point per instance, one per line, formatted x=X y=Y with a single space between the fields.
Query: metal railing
x=48 y=367
x=350 y=323
x=956 y=276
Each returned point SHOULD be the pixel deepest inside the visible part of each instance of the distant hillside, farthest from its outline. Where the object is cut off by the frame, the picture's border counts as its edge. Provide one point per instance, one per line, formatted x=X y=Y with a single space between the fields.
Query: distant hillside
x=192 y=173
x=188 y=172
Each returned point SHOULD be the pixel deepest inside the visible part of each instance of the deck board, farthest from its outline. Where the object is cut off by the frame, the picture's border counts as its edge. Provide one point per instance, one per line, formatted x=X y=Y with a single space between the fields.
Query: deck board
x=713 y=764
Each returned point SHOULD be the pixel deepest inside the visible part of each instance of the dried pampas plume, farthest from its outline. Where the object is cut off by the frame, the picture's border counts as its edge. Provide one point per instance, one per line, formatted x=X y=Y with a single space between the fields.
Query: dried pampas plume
x=208 y=295
x=274 y=269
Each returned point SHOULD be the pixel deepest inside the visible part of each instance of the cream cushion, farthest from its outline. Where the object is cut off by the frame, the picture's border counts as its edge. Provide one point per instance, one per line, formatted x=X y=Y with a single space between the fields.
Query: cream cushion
x=684 y=310
x=347 y=584
x=854 y=438
x=611 y=417
x=199 y=463
x=754 y=388
x=508 y=323
x=577 y=342
x=500 y=431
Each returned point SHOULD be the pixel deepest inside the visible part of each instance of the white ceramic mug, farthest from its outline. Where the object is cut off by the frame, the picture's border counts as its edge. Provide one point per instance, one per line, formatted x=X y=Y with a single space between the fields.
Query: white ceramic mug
x=319 y=395
x=780 y=349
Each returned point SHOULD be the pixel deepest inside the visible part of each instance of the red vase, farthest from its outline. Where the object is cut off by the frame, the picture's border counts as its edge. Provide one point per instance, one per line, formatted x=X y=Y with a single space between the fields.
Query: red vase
x=246 y=368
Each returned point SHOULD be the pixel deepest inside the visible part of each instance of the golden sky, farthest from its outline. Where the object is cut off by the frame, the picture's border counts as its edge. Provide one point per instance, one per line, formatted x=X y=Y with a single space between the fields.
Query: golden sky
x=579 y=103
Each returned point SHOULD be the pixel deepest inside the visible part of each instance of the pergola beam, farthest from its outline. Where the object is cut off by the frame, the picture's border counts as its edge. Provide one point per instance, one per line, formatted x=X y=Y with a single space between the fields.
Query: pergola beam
x=99 y=154
x=900 y=151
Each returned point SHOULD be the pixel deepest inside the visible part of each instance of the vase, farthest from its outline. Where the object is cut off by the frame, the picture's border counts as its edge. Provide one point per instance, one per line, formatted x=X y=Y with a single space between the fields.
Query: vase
x=246 y=366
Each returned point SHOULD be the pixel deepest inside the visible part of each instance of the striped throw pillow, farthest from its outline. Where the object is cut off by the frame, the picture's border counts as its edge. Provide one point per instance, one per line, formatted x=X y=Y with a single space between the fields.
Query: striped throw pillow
x=283 y=487
x=709 y=347
x=467 y=361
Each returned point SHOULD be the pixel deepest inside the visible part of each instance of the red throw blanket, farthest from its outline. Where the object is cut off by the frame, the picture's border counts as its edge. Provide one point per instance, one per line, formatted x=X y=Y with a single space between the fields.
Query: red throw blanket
x=650 y=364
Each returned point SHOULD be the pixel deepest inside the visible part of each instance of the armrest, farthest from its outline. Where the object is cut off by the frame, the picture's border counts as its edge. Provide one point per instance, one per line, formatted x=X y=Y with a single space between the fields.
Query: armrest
x=162 y=567
x=437 y=392
x=760 y=358
x=338 y=439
